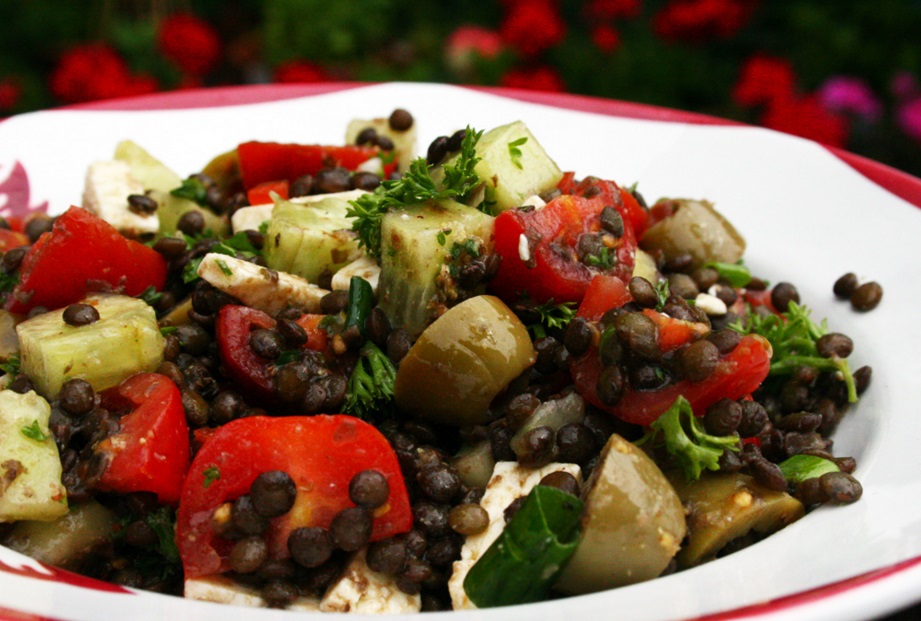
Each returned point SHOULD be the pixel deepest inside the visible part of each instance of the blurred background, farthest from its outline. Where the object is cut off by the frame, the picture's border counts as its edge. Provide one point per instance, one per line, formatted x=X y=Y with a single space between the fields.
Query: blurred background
x=842 y=72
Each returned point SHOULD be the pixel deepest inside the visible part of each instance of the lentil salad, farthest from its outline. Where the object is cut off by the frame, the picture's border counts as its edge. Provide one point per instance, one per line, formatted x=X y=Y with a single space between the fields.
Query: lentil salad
x=789 y=416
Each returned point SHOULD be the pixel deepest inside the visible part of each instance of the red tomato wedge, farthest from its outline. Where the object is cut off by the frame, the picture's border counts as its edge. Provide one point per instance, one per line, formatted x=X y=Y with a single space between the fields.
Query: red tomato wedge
x=150 y=452
x=737 y=374
x=261 y=162
x=252 y=373
x=551 y=269
x=82 y=254
x=611 y=194
x=12 y=239
x=321 y=453
x=262 y=193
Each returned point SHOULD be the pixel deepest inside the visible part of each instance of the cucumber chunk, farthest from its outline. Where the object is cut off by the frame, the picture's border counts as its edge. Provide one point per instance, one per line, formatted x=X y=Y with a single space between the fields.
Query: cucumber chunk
x=30 y=468
x=67 y=540
x=423 y=249
x=125 y=340
x=158 y=181
x=312 y=239
x=513 y=166
x=404 y=142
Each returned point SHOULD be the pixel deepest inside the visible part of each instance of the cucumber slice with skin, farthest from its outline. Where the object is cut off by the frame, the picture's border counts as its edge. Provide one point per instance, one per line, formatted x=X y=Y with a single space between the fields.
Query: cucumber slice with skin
x=309 y=240
x=513 y=166
x=125 y=340
x=422 y=249
x=30 y=468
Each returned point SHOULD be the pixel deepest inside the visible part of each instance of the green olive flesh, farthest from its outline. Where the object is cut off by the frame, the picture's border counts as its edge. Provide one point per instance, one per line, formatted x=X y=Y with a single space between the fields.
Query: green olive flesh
x=697 y=229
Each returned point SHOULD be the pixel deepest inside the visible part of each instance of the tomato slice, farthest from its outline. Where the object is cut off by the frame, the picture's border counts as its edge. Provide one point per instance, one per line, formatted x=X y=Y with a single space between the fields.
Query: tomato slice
x=320 y=453
x=10 y=239
x=261 y=162
x=82 y=254
x=674 y=333
x=262 y=193
x=611 y=194
x=150 y=452
x=550 y=268
x=737 y=374
x=252 y=373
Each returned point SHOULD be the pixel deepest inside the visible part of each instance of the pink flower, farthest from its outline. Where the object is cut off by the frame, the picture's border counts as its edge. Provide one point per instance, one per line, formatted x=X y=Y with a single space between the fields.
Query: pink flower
x=850 y=96
x=909 y=118
x=540 y=78
x=806 y=117
x=606 y=38
x=299 y=71
x=190 y=42
x=762 y=80
x=10 y=93
x=533 y=26
x=904 y=85
x=467 y=43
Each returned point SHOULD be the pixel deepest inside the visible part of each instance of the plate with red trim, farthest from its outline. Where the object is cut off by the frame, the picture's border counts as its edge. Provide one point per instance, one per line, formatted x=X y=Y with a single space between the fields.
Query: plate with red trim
x=809 y=214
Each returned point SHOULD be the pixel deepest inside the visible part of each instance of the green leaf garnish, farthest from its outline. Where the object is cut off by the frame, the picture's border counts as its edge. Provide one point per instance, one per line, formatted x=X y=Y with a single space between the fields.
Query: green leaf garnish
x=211 y=474
x=793 y=337
x=798 y=468
x=151 y=296
x=34 y=432
x=735 y=274
x=192 y=189
x=11 y=366
x=604 y=261
x=514 y=152
x=370 y=388
x=415 y=186
x=685 y=439
x=551 y=316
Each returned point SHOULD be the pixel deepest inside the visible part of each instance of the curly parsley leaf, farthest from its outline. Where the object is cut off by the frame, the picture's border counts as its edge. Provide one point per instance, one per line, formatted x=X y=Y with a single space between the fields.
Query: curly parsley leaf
x=414 y=187
x=684 y=438
x=370 y=386
x=11 y=366
x=551 y=316
x=793 y=337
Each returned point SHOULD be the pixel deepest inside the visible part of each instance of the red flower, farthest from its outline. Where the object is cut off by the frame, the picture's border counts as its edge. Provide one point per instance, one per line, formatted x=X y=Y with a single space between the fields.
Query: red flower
x=697 y=20
x=190 y=42
x=95 y=71
x=806 y=117
x=532 y=27
x=299 y=71
x=606 y=38
x=542 y=78
x=10 y=92
x=467 y=43
x=606 y=10
x=762 y=80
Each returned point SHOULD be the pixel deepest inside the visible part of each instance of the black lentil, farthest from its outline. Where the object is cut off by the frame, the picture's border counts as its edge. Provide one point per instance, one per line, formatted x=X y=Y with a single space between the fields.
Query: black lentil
x=191 y=223
x=834 y=344
x=575 y=443
x=782 y=295
x=369 y=488
x=304 y=185
x=400 y=120
x=437 y=151
x=329 y=180
x=723 y=417
x=37 y=224
x=840 y=487
x=273 y=493
x=248 y=554
x=77 y=397
x=867 y=296
x=643 y=292
x=561 y=480
x=698 y=360
x=351 y=528
x=141 y=204
x=310 y=546
x=80 y=315
x=244 y=517
x=845 y=285
x=468 y=519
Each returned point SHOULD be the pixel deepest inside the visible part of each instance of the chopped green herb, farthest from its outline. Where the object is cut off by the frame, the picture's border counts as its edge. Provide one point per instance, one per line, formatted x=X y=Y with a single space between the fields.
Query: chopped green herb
x=287 y=356
x=190 y=271
x=514 y=152
x=34 y=432
x=193 y=189
x=735 y=274
x=551 y=316
x=212 y=474
x=151 y=295
x=793 y=337
x=167 y=330
x=415 y=186
x=469 y=246
x=442 y=236
x=225 y=269
x=264 y=227
x=604 y=261
x=163 y=523
x=370 y=387
x=11 y=366
x=798 y=468
x=662 y=293
x=8 y=282
x=684 y=438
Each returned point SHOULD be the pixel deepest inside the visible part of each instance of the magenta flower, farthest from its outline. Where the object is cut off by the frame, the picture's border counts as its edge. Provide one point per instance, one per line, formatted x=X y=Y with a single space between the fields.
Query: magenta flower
x=909 y=118
x=850 y=96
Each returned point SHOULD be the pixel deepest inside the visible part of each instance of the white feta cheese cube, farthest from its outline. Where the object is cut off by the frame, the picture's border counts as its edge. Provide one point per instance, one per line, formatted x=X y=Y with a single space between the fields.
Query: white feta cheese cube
x=364 y=266
x=108 y=185
x=365 y=591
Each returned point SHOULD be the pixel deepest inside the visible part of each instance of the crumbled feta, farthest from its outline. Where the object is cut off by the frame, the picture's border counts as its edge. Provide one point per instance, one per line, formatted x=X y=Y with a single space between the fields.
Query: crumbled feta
x=524 y=249
x=711 y=305
x=108 y=185
x=365 y=591
x=364 y=266
x=260 y=287
x=534 y=201
x=509 y=481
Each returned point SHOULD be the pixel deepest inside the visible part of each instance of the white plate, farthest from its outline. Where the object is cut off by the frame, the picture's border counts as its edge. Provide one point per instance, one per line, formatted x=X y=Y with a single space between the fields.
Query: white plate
x=807 y=215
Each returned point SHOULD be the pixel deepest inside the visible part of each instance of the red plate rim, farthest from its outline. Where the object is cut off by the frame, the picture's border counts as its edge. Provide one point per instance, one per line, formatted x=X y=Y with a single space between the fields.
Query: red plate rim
x=901 y=184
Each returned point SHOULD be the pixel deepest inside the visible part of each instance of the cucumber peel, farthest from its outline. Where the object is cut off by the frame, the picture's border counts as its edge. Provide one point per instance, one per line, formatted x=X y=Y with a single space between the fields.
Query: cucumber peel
x=521 y=566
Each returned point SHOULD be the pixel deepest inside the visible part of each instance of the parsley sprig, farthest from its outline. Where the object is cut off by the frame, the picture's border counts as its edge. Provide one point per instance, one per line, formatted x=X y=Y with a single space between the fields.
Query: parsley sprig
x=685 y=439
x=237 y=245
x=550 y=317
x=793 y=336
x=416 y=186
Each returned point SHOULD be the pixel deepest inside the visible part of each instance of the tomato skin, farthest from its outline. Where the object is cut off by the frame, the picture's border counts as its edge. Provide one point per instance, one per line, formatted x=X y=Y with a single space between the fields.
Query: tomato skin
x=261 y=194
x=554 y=271
x=321 y=453
x=81 y=254
x=10 y=239
x=272 y=161
x=674 y=333
x=253 y=374
x=737 y=374
x=150 y=452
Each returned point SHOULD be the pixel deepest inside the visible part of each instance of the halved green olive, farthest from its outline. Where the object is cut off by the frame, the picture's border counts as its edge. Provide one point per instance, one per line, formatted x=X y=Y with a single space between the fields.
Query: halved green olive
x=462 y=361
x=697 y=229
x=724 y=507
x=632 y=523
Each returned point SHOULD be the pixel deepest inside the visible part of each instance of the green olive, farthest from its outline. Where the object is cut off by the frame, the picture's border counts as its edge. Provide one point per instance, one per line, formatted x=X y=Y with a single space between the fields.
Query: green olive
x=632 y=523
x=645 y=267
x=695 y=228
x=724 y=507
x=9 y=342
x=462 y=361
x=224 y=170
x=66 y=541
